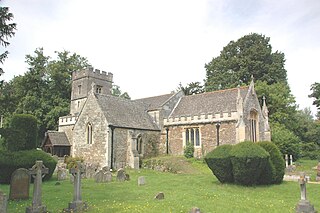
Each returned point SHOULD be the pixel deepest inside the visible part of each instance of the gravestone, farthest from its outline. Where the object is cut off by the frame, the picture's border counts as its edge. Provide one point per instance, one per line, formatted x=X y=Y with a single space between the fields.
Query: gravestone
x=159 y=196
x=103 y=176
x=77 y=205
x=90 y=170
x=38 y=171
x=304 y=205
x=61 y=174
x=121 y=175
x=318 y=172
x=3 y=202
x=19 y=185
x=195 y=210
x=141 y=181
x=287 y=160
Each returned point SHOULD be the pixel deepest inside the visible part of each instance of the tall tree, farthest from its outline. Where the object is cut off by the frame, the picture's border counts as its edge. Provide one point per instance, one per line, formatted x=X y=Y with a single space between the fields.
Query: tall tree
x=116 y=91
x=251 y=55
x=7 y=30
x=315 y=88
x=191 y=88
x=44 y=90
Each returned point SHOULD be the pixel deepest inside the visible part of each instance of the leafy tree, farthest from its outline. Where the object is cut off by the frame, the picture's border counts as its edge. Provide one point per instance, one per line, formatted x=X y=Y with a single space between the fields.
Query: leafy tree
x=315 y=88
x=6 y=31
x=286 y=140
x=116 y=91
x=191 y=88
x=280 y=102
x=44 y=90
x=239 y=60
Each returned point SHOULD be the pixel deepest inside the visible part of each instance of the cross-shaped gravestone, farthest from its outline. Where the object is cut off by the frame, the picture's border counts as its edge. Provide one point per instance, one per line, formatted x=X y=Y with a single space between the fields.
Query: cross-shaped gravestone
x=304 y=205
x=38 y=171
x=77 y=205
x=303 y=187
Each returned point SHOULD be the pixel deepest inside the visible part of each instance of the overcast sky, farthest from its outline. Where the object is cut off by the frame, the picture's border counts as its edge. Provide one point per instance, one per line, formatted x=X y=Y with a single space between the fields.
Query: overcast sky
x=151 y=46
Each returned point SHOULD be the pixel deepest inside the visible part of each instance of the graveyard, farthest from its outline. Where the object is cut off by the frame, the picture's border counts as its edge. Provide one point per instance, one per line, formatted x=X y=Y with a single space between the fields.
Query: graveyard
x=189 y=185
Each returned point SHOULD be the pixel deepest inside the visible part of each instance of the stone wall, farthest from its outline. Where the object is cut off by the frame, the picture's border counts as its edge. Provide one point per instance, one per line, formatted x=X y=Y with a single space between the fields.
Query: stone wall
x=208 y=137
x=96 y=152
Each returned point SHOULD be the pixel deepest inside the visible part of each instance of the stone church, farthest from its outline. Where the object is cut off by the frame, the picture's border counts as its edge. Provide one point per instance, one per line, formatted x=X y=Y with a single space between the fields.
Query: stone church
x=116 y=132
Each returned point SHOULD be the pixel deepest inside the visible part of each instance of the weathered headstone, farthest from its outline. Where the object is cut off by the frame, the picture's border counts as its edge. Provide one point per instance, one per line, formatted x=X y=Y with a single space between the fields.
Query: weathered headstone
x=141 y=181
x=90 y=169
x=19 y=185
x=195 y=210
x=159 y=196
x=38 y=171
x=287 y=160
x=121 y=175
x=61 y=174
x=3 y=202
x=77 y=205
x=304 y=205
x=318 y=172
x=291 y=160
x=103 y=176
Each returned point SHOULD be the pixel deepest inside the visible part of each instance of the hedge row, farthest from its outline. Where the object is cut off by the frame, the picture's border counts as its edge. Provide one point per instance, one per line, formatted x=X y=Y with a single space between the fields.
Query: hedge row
x=10 y=161
x=247 y=163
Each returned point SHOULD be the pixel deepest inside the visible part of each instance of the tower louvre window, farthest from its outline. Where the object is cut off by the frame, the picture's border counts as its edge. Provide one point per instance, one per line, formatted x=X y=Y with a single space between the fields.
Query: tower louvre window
x=98 y=89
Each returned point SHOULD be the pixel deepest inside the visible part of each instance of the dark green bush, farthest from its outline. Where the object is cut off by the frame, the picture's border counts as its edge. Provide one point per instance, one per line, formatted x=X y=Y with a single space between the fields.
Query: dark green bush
x=218 y=160
x=188 y=151
x=10 y=161
x=276 y=159
x=248 y=161
x=22 y=133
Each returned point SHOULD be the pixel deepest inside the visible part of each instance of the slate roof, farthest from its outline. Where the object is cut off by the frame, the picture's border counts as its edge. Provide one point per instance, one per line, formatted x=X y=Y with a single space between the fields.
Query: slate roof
x=211 y=102
x=155 y=102
x=57 y=138
x=125 y=113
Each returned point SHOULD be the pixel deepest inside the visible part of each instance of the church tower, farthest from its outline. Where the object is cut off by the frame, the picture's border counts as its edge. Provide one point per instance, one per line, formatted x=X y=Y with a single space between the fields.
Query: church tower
x=85 y=81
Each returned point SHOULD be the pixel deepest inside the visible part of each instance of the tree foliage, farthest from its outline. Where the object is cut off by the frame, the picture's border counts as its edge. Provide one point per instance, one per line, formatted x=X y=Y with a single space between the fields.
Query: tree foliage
x=116 y=91
x=191 y=88
x=7 y=30
x=44 y=90
x=315 y=88
x=251 y=55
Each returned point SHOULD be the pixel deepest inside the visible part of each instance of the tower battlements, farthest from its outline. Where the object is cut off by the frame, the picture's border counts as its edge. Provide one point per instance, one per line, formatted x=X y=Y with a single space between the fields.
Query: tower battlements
x=94 y=73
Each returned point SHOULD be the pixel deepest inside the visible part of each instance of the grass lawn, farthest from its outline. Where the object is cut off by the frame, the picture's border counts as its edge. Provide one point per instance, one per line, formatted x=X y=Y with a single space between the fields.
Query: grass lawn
x=182 y=192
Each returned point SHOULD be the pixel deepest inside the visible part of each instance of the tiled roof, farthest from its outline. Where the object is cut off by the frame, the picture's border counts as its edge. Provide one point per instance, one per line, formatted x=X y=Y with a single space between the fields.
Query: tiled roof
x=121 y=112
x=211 y=102
x=58 y=138
x=155 y=102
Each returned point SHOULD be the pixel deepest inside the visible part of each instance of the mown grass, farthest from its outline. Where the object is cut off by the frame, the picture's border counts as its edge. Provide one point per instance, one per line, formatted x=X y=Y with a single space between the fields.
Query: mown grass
x=182 y=192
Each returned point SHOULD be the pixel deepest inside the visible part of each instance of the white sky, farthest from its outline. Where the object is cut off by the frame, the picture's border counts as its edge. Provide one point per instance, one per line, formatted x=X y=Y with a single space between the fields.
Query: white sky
x=152 y=45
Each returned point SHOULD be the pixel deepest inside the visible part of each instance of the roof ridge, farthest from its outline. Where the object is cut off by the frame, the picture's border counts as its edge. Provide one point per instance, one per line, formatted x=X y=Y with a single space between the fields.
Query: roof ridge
x=218 y=91
x=154 y=96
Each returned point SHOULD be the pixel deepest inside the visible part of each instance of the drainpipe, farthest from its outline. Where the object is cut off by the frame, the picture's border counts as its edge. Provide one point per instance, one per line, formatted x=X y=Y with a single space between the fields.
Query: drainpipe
x=112 y=139
x=167 y=141
x=218 y=124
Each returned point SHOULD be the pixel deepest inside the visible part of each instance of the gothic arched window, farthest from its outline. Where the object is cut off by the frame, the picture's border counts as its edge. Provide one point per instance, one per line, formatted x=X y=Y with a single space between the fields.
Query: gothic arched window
x=253 y=125
x=139 y=144
x=89 y=133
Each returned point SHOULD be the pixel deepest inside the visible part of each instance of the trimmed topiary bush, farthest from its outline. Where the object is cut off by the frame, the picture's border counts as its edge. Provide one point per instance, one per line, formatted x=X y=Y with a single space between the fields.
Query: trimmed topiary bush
x=10 y=161
x=276 y=160
x=219 y=161
x=248 y=161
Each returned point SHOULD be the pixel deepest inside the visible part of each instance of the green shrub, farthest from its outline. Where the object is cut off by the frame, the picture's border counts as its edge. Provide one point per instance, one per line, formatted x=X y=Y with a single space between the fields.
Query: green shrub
x=71 y=161
x=10 y=161
x=310 y=151
x=276 y=160
x=188 y=151
x=22 y=133
x=218 y=160
x=248 y=161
